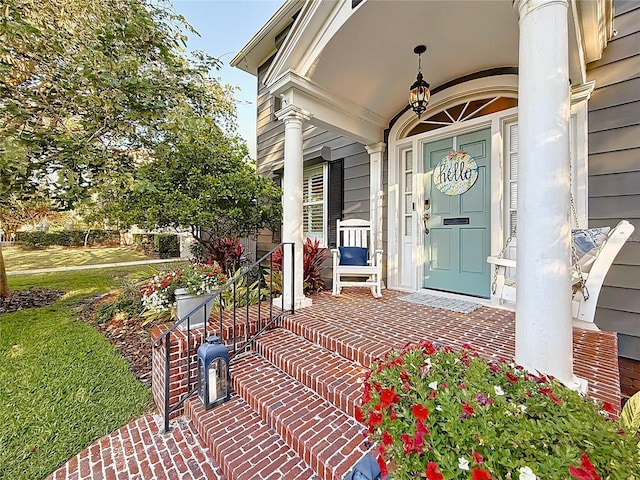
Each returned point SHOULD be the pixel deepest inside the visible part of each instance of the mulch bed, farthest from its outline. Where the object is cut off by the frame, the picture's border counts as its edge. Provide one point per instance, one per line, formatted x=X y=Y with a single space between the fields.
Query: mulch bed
x=30 y=298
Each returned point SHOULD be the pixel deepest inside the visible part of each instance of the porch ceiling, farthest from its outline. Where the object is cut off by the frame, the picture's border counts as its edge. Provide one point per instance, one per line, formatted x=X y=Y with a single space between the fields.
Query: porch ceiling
x=370 y=59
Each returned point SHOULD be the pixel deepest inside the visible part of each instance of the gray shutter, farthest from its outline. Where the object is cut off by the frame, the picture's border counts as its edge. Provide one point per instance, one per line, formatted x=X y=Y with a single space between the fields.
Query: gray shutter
x=335 y=198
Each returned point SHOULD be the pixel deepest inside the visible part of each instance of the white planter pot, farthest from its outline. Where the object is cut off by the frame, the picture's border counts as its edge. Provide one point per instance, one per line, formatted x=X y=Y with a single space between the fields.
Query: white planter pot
x=186 y=302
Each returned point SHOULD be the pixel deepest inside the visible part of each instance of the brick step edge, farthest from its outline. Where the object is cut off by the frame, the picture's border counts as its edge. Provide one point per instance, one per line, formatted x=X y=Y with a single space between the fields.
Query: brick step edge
x=328 y=440
x=243 y=445
x=330 y=375
x=348 y=344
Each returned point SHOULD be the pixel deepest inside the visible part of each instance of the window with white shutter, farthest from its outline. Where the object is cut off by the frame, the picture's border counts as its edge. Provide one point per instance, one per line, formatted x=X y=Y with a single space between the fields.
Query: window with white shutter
x=314 y=196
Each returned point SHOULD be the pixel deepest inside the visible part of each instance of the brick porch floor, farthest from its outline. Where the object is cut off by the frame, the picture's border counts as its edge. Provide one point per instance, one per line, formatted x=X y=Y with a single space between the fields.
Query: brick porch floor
x=357 y=327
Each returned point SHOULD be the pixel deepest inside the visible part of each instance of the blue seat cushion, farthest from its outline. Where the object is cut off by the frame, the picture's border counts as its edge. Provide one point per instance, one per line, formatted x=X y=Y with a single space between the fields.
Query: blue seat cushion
x=355 y=256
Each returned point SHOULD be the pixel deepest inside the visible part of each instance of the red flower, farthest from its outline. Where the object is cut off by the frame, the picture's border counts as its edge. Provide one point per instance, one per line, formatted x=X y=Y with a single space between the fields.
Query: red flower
x=358 y=415
x=383 y=466
x=607 y=407
x=388 y=396
x=478 y=458
x=433 y=472
x=420 y=412
x=404 y=376
x=587 y=472
x=480 y=474
x=366 y=393
x=467 y=410
x=375 y=418
x=511 y=377
x=393 y=415
x=407 y=442
x=387 y=439
x=549 y=393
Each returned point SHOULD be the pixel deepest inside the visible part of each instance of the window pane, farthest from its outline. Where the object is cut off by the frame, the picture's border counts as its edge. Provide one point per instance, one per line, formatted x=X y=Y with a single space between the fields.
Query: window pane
x=408 y=160
x=408 y=225
x=408 y=182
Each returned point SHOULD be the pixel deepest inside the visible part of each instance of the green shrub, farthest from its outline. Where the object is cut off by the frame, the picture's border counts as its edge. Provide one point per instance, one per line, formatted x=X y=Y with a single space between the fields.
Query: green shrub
x=444 y=414
x=167 y=245
x=68 y=238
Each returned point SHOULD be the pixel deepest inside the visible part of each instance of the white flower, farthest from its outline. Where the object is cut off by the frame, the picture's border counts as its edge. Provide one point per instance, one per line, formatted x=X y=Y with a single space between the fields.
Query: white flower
x=433 y=385
x=439 y=408
x=527 y=474
x=463 y=463
x=522 y=407
x=498 y=390
x=427 y=362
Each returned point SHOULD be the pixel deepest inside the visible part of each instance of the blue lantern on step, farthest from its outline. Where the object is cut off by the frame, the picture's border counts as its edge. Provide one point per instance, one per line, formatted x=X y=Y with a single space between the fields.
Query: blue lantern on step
x=213 y=372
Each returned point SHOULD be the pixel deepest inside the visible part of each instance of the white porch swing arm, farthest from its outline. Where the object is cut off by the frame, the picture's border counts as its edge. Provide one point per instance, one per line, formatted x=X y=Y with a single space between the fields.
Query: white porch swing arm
x=583 y=307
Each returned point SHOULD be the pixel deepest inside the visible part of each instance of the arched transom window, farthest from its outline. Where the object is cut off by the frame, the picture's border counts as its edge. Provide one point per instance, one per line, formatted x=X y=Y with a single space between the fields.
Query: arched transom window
x=463 y=112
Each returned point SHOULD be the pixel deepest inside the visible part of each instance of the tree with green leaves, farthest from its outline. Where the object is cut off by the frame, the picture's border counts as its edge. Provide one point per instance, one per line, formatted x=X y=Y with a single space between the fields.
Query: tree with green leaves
x=86 y=87
x=198 y=178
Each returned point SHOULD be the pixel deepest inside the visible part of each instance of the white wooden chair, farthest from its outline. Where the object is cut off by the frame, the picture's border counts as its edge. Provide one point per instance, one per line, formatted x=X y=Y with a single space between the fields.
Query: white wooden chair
x=356 y=262
x=583 y=305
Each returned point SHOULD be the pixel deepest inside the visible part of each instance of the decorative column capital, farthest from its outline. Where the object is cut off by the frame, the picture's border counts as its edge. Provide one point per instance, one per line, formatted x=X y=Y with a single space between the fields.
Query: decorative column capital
x=581 y=93
x=374 y=148
x=525 y=7
x=291 y=113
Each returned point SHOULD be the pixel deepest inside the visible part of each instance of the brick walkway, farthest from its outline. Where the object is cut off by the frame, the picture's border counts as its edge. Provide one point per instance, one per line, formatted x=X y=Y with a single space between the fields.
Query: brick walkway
x=138 y=451
x=325 y=345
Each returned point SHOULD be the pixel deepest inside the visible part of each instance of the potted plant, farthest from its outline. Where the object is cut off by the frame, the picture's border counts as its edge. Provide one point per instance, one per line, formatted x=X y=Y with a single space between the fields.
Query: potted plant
x=440 y=414
x=176 y=292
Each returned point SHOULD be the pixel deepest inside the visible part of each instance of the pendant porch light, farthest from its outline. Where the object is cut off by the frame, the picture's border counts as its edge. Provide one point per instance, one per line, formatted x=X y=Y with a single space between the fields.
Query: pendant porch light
x=419 y=93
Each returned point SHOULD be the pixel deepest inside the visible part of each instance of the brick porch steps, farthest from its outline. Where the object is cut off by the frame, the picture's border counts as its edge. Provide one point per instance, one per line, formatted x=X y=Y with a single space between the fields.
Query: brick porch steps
x=328 y=440
x=243 y=444
x=332 y=376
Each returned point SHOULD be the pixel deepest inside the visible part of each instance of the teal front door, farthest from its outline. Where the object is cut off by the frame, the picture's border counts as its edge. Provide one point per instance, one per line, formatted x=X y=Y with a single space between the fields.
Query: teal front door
x=457 y=227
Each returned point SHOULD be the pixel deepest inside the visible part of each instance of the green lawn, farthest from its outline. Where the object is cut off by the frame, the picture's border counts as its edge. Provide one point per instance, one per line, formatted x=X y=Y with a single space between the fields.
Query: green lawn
x=17 y=258
x=62 y=385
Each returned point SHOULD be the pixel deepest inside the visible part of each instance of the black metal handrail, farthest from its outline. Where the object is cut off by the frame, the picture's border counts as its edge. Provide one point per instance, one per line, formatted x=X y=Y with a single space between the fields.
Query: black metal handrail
x=251 y=276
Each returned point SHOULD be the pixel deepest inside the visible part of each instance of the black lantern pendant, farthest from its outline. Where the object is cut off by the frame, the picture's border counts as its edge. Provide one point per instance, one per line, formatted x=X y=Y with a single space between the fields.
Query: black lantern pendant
x=419 y=93
x=213 y=372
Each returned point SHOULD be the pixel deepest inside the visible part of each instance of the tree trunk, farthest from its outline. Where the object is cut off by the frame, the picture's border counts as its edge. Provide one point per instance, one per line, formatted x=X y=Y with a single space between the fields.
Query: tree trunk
x=4 y=286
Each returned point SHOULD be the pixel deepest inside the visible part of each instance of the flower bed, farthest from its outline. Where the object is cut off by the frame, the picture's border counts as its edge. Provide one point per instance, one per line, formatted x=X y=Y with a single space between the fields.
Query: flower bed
x=444 y=414
x=159 y=293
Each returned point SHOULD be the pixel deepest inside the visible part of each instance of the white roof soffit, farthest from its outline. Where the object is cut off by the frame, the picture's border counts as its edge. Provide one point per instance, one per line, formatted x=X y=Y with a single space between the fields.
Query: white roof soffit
x=263 y=44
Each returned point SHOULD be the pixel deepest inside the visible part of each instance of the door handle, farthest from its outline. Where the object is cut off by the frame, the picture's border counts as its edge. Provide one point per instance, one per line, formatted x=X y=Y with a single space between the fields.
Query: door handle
x=425 y=220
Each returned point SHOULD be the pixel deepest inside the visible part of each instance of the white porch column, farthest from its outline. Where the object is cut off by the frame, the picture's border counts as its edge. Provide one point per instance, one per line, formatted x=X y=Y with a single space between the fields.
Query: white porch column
x=376 y=151
x=543 y=311
x=293 y=118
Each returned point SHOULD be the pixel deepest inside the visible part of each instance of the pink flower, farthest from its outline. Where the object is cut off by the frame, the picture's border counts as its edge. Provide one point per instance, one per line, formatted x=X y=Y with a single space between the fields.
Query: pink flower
x=433 y=472
x=407 y=442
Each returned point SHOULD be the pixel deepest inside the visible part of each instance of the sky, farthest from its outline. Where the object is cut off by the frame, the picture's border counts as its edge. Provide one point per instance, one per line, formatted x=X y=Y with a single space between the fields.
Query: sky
x=225 y=26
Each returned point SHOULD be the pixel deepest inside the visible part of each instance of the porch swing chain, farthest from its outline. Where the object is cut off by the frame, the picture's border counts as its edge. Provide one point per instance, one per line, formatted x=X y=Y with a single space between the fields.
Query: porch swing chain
x=582 y=284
